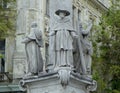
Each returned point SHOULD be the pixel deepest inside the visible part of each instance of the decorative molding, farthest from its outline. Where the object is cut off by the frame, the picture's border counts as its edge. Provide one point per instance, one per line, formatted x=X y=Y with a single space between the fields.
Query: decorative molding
x=88 y=83
x=93 y=86
x=64 y=75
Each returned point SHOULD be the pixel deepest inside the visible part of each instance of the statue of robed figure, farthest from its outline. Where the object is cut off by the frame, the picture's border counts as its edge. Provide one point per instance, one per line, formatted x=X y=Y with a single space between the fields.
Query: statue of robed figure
x=33 y=42
x=85 y=50
x=87 y=47
x=63 y=44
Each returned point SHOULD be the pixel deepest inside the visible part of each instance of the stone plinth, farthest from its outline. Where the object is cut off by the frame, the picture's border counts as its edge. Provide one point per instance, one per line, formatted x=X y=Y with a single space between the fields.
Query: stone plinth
x=51 y=83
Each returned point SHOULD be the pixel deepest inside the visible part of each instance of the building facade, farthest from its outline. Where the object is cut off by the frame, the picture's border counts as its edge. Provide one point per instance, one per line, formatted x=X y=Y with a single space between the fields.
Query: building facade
x=14 y=66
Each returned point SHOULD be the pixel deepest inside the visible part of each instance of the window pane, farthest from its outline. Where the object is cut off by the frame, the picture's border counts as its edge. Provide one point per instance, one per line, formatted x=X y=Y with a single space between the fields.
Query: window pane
x=2 y=46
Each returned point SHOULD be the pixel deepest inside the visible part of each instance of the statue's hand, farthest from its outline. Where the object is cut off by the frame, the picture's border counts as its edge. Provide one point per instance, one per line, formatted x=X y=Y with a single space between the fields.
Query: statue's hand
x=25 y=40
x=52 y=33
x=75 y=36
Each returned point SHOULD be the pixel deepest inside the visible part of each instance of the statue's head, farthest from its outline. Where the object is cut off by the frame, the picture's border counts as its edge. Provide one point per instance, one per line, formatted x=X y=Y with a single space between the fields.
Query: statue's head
x=33 y=25
x=62 y=13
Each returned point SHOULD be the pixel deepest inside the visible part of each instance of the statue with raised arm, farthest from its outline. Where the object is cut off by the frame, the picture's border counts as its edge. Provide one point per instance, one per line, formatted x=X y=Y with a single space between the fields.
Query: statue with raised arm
x=63 y=43
x=33 y=42
x=87 y=47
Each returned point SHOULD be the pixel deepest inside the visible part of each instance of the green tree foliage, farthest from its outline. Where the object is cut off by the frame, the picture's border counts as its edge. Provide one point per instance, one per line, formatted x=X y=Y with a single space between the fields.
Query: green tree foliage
x=6 y=17
x=106 y=62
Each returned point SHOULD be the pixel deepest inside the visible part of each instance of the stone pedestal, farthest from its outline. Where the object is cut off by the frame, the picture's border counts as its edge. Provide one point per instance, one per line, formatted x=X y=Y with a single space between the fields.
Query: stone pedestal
x=51 y=83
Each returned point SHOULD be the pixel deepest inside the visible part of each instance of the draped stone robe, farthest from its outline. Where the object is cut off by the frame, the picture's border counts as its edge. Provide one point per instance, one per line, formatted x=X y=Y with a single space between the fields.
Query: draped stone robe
x=63 y=44
x=87 y=47
x=33 y=42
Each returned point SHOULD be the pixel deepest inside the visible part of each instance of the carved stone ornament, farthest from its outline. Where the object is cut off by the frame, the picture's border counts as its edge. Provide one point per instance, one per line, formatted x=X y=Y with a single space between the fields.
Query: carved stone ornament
x=93 y=86
x=64 y=75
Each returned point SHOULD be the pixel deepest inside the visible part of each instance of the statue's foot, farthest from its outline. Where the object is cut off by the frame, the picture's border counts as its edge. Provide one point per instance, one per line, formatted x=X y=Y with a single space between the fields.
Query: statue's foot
x=49 y=71
x=87 y=77
x=27 y=75
x=88 y=69
x=42 y=73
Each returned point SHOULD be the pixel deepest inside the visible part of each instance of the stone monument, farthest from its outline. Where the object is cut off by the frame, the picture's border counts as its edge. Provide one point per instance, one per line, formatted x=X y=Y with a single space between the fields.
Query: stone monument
x=33 y=42
x=87 y=46
x=63 y=34
x=61 y=75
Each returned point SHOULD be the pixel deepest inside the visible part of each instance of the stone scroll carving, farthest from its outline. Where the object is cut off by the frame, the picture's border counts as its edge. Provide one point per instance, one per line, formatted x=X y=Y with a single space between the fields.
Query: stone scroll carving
x=33 y=42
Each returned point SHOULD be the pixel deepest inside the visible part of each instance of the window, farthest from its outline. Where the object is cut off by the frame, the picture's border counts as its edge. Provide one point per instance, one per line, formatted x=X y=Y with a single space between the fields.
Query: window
x=2 y=53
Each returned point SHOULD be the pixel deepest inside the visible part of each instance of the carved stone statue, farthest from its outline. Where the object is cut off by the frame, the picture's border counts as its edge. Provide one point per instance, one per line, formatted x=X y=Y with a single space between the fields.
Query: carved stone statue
x=87 y=47
x=33 y=42
x=63 y=43
x=83 y=51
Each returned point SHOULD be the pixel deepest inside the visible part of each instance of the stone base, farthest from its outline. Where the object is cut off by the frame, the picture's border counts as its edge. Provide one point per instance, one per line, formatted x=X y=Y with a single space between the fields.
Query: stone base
x=51 y=83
